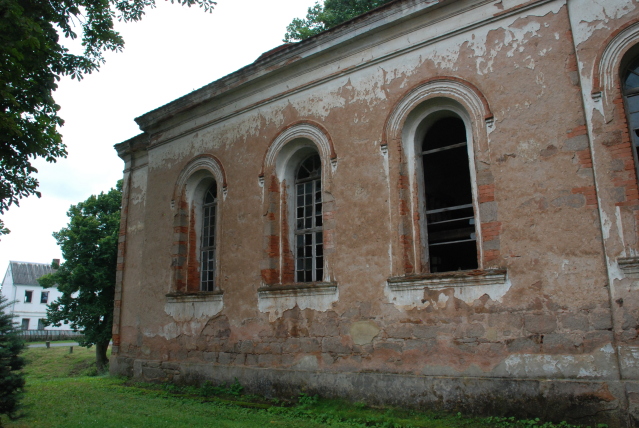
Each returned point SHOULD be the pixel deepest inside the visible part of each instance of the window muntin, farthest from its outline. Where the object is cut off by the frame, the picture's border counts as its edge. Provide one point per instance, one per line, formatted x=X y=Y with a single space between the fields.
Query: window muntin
x=631 y=98
x=309 y=250
x=28 y=295
x=44 y=297
x=207 y=249
x=450 y=216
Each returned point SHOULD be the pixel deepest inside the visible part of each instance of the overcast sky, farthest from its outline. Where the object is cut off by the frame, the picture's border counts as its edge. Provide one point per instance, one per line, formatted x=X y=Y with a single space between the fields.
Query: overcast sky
x=172 y=51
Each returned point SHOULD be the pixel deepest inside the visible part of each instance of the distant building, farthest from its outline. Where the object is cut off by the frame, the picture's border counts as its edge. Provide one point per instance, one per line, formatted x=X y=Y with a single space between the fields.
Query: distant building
x=20 y=286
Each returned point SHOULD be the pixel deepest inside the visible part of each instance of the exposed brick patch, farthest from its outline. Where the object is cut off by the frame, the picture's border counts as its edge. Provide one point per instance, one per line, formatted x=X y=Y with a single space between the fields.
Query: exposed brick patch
x=270 y=276
x=584 y=158
x=406 y=243
x=490 y=231
x=402 y=182
x=403 y=207
x=580 y=130
x=620 y=149
x=192 y=267
x=589 y=192
x=486 y=193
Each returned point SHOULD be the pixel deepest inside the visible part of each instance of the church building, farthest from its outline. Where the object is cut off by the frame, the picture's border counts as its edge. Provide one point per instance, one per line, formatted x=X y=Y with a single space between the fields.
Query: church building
x=432 y=205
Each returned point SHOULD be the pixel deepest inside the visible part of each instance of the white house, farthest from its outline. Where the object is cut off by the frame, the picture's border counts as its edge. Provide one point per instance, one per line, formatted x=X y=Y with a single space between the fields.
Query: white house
x=20 y=286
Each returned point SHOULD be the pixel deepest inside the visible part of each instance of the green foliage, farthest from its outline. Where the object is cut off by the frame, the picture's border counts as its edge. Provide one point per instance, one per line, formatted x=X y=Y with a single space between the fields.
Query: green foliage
x=11 y=378
x=322 y=17
x=32 y=59
x=86 y=279
x=307 y=400
x=111 y=402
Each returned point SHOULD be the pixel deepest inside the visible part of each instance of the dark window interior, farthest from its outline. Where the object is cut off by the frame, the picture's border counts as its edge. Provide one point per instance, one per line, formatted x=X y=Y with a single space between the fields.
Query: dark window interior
x=450 y=217
x=631 y=97
x=27 y=296
x=309 y=249
x=207 y=255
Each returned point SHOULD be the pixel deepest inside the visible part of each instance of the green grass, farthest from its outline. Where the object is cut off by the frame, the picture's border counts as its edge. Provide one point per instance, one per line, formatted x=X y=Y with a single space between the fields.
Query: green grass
x=63 y=391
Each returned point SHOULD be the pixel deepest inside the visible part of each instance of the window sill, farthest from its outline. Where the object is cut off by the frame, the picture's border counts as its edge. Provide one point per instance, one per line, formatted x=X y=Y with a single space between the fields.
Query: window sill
x=448 y=279
x=629 y=266
x=298 y=289
x=195 y=296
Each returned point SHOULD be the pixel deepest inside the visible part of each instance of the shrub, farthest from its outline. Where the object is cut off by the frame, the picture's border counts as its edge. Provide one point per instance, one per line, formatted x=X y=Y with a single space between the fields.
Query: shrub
x=11 y=378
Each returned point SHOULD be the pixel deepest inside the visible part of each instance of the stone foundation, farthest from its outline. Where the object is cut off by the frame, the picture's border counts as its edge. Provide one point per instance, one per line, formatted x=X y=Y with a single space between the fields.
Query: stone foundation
x=580 y=402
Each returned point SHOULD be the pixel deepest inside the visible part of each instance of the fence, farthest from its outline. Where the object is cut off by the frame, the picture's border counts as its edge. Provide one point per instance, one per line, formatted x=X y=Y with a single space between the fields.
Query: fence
x=49 y=335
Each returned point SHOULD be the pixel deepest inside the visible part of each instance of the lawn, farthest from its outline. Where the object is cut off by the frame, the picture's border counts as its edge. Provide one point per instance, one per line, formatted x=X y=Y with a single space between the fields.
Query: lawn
x=63 y=391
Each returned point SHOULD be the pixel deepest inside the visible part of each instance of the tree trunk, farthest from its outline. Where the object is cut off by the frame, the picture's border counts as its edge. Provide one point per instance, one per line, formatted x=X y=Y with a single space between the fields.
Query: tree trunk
x=101 y=360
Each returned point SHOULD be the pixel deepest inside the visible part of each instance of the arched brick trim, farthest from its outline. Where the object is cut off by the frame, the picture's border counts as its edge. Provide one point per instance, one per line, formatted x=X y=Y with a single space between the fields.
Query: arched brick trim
x=278 y=263
x=208 y=162
x=441 y=86
x=185 y=242
x=301 y=129
x=607 y=87
x=463 y=98
x=607 y=62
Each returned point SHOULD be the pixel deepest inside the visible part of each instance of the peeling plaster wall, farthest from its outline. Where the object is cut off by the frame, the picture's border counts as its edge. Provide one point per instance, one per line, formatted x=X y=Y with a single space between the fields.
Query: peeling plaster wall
x=547 y=188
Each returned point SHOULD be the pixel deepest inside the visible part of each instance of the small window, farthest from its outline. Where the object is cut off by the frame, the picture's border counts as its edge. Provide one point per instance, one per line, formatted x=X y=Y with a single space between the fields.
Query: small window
x=44 y=297
x=207 y=253
x=631 y=98
x=309 y=255
x=450 y=217
x=41 y=324
x=28 y=295
x=25 y=323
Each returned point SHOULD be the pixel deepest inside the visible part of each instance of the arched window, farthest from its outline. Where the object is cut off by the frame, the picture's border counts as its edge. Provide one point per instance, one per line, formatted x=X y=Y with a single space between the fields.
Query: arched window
x=450 y=216
x=309 y=254
x=207 y=246
x=630 y=77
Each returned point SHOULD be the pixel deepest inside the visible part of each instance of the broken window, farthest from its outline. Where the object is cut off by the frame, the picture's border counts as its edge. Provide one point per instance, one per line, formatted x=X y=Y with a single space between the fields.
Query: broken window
x=27 y=296
x=44 y=297
x=450 y=216
x=631 y=98
x=309 y=255
x=207 y=250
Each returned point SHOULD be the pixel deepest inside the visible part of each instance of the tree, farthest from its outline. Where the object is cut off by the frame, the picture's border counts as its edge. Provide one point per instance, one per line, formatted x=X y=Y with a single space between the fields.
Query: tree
x=86 y=279
x=11 y=345
x=322 y=17
x=32 y=60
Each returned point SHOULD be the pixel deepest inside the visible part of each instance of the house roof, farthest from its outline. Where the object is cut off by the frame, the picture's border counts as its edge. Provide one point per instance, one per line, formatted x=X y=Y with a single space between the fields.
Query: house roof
x=25 y=273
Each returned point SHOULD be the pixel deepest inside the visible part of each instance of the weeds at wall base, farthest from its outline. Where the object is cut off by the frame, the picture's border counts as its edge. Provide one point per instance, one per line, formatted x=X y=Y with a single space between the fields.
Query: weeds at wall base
x=343 y=413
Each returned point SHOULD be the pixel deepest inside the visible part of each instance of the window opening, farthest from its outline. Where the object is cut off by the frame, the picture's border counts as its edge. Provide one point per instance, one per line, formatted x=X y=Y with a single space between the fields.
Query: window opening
x=41 y=325
x=309 y=260
x=631 y=98
x=27 y=296
x=207 y=270
x=44 y=297
x=450 y=216
x=25 y=323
